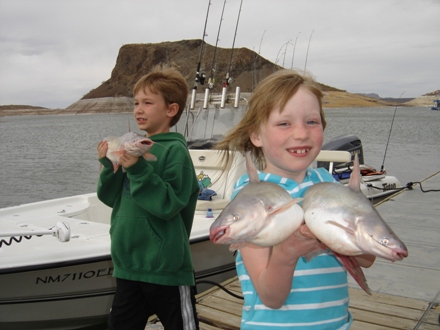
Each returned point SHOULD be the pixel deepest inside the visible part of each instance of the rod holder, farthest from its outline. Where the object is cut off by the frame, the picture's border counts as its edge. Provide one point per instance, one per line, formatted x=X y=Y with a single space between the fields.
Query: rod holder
x=206 y=100
x=193 y=99
x=223 y=100
x=237 y=97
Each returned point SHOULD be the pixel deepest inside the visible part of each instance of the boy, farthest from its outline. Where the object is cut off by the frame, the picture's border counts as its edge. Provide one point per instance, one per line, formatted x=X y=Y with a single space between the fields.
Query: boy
x=153 y=208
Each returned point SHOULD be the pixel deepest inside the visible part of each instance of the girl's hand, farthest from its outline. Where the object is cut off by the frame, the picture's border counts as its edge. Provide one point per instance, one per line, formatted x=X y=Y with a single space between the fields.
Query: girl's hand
x=127 y=160
x=300 y=243
x=102 y=149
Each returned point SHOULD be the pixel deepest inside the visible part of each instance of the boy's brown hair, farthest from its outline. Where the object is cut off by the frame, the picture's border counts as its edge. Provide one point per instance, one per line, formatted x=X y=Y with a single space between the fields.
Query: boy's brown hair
x=169 y=83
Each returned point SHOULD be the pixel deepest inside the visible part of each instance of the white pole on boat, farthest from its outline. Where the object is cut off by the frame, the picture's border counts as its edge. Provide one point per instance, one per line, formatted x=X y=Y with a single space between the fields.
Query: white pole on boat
x=61 y=231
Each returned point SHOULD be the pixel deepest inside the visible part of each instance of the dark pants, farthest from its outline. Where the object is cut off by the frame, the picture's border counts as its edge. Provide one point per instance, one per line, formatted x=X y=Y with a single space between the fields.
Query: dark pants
x=135 y=302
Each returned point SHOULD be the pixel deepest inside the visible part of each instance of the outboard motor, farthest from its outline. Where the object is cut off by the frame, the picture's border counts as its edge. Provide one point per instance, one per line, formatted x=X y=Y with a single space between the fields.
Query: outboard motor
x=350 y=143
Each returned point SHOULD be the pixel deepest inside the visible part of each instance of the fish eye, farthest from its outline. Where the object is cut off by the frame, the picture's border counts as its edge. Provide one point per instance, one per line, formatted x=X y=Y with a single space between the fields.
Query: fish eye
x=235 y=217
x=384 y=241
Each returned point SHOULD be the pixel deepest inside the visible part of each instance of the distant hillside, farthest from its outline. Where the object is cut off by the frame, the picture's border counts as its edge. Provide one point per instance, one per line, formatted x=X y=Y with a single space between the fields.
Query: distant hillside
x=387 y=99
x=135 y=60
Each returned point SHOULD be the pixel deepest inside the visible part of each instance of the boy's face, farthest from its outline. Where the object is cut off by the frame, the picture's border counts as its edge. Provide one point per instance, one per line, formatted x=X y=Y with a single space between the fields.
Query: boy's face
x=151 y=113
x=292 y=139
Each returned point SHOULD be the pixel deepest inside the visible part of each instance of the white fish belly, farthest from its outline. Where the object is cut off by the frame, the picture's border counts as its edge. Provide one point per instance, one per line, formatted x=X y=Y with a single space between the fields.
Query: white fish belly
x=280 y=226
x=332 y=230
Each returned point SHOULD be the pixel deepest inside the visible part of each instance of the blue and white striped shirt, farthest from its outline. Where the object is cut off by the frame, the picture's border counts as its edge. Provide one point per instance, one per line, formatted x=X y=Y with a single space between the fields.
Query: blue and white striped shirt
x=319 y=297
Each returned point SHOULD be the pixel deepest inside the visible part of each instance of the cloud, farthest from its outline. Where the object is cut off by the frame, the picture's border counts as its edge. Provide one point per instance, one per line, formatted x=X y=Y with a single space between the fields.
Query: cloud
x=53 y=52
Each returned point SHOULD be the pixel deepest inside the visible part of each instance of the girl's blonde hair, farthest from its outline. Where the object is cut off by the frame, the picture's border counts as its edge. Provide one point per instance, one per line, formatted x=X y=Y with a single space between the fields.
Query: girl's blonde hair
x=272 y=92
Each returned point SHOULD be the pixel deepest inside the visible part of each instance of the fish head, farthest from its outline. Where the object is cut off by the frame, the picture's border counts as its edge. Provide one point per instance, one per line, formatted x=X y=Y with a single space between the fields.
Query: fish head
x=239 y=222
x=137 y=145
x=383 y=242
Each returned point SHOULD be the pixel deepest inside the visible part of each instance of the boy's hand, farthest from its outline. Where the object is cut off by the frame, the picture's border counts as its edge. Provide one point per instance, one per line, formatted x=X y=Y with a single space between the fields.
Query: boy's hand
x=127 y=160
x=102 y=149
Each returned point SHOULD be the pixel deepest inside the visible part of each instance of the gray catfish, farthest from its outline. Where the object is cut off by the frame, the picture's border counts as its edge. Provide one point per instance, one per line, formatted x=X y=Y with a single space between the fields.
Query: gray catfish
x=343 y=219
x=262 y=213
x=134 y=144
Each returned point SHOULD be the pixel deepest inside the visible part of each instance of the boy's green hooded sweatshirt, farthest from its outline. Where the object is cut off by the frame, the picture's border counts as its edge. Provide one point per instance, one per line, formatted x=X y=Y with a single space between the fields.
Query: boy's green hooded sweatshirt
x=153 y=209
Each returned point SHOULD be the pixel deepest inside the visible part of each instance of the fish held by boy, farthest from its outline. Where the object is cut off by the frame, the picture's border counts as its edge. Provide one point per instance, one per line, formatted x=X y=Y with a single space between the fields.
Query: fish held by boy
x=132 y=143
x=262 y=213
x=346 y=222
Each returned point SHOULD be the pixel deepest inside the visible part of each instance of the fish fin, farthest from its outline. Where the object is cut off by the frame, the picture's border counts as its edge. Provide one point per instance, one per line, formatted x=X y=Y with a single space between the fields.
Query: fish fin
x=115 y=167
x=285 y=206
x=349 y=230
x=312 y=255
x=355 y=177
x=351 y=265
x=251 y=169
x=150 y=157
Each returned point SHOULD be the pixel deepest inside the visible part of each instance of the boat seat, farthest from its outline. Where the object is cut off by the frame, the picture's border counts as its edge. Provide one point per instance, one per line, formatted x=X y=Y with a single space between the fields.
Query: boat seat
x=333 y=156
x=208 y=170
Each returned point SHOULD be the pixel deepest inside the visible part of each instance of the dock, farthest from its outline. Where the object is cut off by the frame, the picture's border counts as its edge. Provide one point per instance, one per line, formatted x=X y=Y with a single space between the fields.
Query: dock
x=405 y=294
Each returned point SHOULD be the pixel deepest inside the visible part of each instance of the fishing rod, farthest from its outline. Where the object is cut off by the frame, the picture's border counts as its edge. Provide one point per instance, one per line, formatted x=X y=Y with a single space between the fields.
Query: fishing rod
x=257 y=56
x=285 y=51
x=308 y=46
x=211 y=80
x=228 y=79
x=389 y=134
x=294 y=46
x=200 y=78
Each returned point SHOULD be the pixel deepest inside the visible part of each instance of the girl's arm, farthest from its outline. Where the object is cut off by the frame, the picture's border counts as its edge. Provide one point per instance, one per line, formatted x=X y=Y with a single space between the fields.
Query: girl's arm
x=271 y=268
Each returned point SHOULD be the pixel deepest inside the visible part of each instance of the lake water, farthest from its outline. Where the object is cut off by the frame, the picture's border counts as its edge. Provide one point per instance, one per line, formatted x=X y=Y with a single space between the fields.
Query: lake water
x=45 y=157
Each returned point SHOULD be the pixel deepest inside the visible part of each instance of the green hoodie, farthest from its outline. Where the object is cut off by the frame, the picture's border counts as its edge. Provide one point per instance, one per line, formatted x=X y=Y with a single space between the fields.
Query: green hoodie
x=153 y=209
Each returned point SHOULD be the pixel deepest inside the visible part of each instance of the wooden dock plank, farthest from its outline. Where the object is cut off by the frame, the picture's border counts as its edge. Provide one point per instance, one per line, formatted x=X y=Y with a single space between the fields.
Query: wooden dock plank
x=219 y=310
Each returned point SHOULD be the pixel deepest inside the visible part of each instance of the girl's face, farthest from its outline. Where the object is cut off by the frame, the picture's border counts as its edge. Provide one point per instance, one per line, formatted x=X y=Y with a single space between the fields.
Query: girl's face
x=292 y=139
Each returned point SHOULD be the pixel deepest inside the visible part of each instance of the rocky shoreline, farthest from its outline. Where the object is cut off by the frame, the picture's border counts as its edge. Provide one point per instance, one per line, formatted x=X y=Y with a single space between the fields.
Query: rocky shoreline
x=124 y=104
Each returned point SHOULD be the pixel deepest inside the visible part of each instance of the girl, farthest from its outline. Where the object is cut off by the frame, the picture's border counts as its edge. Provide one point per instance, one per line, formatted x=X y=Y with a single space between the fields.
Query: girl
x=283 y=128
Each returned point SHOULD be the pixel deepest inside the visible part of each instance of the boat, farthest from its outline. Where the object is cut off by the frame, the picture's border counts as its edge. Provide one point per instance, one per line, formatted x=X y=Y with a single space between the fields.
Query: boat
x=55 y=263
x=436 y=105
x=376 y=185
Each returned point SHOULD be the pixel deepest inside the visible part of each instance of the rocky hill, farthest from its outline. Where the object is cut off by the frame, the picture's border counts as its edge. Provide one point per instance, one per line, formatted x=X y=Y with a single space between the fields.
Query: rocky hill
x=247 y=68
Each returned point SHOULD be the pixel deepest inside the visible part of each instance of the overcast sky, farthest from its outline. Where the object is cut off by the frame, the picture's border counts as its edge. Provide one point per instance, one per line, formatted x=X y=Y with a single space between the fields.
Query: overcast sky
x=52 y=52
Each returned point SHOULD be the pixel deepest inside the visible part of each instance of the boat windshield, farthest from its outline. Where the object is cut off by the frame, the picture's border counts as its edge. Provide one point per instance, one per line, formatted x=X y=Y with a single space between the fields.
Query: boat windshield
x=202 y=128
